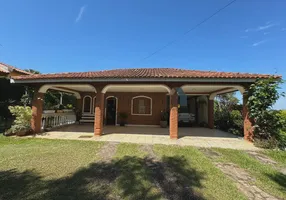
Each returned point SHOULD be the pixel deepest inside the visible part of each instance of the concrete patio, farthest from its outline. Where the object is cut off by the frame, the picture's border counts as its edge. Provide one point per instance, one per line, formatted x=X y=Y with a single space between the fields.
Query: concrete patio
x=199 y=137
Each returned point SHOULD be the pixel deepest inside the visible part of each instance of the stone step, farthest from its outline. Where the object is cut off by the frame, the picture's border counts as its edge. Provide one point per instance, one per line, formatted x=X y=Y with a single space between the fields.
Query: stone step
x=87 y=120
x=87 y=114
x=87 y=117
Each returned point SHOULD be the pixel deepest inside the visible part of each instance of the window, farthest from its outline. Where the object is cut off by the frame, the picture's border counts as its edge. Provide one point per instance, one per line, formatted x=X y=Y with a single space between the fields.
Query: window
x=141 y=105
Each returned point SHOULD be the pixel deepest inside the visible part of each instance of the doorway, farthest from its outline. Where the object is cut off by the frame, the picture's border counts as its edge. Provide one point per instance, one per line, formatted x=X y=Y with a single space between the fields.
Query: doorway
x=87 y=102
x=111 y=111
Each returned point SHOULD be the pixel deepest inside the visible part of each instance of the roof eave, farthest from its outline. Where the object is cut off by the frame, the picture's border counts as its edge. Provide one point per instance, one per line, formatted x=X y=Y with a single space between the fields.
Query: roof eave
x=192 y=80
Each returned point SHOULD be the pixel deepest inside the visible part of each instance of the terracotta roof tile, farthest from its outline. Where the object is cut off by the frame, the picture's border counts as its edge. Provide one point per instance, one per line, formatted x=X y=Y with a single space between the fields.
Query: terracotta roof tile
x=4 y=68
x=144 y=73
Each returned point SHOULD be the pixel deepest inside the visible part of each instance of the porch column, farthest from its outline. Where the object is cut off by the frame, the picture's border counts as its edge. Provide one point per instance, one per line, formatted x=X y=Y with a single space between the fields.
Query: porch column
x=247 y=125
x=37 y=110
x=99 y=110
x=211 y=113
x=174 y=116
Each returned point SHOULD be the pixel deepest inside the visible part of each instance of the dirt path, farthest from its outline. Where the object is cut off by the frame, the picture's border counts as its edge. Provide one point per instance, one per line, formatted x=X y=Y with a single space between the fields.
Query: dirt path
x=266 y=160
x=107 y=152
x=244 y=182
x=242 y=179
x=171 y=184
x=149 y=150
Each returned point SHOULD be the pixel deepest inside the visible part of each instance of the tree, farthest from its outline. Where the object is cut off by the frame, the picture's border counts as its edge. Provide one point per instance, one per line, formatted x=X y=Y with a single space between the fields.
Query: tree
x=228 y=114
x=32 y=71
x=268 y=123
x=227 y=101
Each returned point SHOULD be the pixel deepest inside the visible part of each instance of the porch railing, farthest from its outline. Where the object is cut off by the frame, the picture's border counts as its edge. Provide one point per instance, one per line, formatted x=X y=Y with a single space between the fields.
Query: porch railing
x=51 y=120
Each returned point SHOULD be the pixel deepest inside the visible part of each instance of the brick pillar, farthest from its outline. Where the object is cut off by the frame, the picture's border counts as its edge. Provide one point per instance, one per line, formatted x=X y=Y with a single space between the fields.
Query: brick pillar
x=99 y=110
x=211 y=113
x=37 y=110
x=247 y=125
x=174 y=116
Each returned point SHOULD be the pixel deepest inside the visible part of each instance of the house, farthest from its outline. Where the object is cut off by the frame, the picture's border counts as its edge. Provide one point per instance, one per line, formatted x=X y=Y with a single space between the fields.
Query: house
x=9 y=94
x=142 y=94
x=8 y=91
x=8 y=71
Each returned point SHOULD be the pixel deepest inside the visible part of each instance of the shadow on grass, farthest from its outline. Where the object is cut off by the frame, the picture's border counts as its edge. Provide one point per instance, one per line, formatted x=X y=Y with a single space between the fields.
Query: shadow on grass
x=280 y=179
x=125 y=178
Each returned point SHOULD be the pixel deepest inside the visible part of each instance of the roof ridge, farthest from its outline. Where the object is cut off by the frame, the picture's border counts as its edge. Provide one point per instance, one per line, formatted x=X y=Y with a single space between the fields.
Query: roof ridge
x=145 y=73
x=15 y=68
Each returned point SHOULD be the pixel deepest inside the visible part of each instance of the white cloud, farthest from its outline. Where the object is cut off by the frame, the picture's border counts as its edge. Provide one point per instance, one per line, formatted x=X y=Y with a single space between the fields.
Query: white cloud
x=258 y=43
x=79 y=16
x=262 y=28
x=265 y=33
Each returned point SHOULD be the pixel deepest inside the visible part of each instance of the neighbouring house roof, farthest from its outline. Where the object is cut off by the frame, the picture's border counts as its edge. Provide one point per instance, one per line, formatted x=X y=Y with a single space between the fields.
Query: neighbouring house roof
x=7 y=69
x=143 y=73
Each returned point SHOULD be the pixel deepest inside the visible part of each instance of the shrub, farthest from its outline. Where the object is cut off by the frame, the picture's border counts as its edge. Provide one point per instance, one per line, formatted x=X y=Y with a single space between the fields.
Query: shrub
x=69 y=106
x=230 y=121
x=282 y=134
x=122 y=117
x=268 y=123
x=23 y=116
x=164 y=116
x=236 y=122
x=266 y=144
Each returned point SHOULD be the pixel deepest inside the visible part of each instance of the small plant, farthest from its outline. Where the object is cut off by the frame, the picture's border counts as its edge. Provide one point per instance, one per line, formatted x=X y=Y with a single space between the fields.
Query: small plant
x=164 y=119
x=69 y=106
x=21 y=124
x=78 y=115
x=26 y=99
x=164 y=116
x=122 y=117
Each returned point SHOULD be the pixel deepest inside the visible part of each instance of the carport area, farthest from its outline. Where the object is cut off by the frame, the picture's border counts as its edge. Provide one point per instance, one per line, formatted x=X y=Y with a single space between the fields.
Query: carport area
x=199 y=137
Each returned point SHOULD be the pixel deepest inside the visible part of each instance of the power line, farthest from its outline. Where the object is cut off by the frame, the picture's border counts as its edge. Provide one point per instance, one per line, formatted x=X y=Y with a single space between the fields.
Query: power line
x=188 y=31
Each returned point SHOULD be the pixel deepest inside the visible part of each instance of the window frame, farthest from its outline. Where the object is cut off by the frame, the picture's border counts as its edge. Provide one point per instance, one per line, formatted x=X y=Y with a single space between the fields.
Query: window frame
x=141 y=96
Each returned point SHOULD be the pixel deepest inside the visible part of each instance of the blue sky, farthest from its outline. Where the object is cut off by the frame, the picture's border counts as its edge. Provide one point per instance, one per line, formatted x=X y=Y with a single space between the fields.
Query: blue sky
x=63 y=36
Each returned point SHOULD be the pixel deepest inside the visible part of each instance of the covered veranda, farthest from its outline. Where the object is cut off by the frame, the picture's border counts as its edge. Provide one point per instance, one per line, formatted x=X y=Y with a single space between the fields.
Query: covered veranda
x=96 y=108
x=142 y=94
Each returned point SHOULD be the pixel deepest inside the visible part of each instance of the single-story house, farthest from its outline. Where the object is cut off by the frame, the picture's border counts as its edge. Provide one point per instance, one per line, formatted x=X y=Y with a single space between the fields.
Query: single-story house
x=142 y=94
x=9 y=93
x=7 y=90
x=7 y=71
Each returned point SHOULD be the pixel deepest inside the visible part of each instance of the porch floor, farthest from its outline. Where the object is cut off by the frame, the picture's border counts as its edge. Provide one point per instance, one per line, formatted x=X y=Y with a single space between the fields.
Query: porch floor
x=200 y=137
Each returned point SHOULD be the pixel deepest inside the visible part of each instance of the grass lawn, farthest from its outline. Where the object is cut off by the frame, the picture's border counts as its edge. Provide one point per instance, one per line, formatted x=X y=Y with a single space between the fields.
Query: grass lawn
x=267 y=177
x=278 y=156
x=64 y=169
x=197 y=171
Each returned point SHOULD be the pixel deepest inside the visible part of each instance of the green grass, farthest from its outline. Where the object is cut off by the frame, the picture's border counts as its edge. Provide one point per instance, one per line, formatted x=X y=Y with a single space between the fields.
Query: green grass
x=278 y=156
x=134 y=179
x=198 y=172
x=267 y=178
x=66 y=169
x=127 y=149
x=50 y=158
